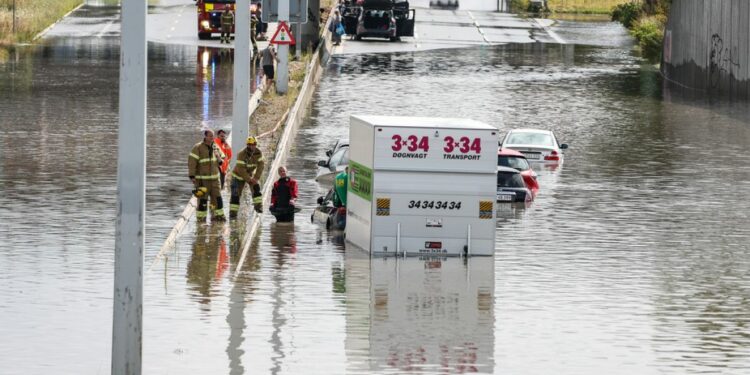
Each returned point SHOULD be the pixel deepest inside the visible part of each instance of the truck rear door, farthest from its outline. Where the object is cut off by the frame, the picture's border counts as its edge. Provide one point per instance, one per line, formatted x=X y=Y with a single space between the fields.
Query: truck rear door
x=405 y=23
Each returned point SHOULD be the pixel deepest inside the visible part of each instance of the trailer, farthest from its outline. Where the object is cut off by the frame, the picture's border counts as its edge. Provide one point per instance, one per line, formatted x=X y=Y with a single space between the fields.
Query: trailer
x=421 y=186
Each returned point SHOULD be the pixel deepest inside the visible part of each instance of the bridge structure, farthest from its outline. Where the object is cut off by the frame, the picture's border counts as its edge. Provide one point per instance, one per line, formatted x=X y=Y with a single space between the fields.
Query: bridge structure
x=707 y=47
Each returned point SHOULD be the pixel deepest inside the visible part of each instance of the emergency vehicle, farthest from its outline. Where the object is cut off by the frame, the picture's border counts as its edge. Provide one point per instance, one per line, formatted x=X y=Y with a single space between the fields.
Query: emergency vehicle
x=209 y=16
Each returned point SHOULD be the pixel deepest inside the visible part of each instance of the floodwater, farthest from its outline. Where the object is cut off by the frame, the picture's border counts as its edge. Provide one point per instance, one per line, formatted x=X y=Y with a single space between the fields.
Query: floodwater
x=633 y=260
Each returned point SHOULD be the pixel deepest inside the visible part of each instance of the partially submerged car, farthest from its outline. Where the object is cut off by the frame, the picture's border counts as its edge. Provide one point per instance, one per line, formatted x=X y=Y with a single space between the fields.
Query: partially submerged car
x=510 y=186
x=338 y=159
x=536 y=145
x=513 y=159
x=326 y=214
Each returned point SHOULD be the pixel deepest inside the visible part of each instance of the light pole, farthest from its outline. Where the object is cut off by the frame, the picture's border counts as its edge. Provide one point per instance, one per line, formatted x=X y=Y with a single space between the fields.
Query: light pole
x=127 y=331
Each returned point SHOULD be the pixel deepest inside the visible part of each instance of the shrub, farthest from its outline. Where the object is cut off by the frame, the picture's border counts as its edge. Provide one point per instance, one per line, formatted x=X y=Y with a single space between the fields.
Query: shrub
x=627 y=13
x=519 y=5
x=649 y=32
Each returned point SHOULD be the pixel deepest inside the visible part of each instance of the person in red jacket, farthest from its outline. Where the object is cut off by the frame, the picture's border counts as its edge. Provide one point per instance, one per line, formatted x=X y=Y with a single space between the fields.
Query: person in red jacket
x=284 y=197
x=226 y=151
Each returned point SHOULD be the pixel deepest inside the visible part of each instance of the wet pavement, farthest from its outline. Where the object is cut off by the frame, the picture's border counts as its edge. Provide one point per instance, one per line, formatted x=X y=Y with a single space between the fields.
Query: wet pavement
x=633 y=259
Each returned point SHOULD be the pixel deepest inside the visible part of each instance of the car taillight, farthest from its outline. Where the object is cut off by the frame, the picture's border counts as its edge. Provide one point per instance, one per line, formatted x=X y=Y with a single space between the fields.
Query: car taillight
x=342 y=210
x=552 y=156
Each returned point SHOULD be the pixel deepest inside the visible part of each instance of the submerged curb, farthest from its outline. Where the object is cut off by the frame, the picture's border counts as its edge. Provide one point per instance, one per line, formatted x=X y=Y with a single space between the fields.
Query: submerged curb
x=296 y=114
x=41 y=33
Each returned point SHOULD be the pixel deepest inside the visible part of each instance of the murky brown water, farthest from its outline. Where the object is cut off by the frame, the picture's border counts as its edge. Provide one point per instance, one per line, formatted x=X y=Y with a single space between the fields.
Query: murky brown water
x=633 y=259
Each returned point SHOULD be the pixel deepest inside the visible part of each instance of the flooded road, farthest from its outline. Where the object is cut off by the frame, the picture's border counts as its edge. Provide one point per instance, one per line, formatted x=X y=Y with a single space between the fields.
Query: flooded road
x=633 y=259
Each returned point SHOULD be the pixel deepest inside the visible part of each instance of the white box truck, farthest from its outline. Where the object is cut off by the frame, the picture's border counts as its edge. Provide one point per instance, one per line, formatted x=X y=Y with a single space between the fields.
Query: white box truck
x=421 y=186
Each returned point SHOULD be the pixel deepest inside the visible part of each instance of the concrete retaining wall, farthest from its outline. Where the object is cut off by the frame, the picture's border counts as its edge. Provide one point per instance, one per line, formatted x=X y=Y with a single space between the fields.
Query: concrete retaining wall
x=707 y=46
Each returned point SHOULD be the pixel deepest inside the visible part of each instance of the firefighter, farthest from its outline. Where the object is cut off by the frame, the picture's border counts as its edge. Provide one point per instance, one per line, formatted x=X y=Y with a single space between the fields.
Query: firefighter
x=339 y=188
x=203 y=170
x=227 y=21
x=253 y=26
x=226 y=153
x=248 y=170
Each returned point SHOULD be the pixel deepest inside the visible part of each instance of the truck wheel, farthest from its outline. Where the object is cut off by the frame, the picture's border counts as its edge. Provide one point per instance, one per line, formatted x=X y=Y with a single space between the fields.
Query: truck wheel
x=394 y=39
x=204 y=36
x=357 y=37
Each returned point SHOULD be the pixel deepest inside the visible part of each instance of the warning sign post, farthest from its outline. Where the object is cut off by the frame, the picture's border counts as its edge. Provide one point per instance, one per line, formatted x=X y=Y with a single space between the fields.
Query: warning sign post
x=283 y=36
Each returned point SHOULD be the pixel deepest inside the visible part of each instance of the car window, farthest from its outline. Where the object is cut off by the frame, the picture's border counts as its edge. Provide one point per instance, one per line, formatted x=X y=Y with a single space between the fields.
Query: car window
x=513 y=162
x=340 y=157
x=511 y=180
x=536 y=139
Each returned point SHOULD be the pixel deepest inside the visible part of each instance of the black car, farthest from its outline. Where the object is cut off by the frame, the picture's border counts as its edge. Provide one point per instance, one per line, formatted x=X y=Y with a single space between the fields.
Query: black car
x=389 y=19
x=510 y=186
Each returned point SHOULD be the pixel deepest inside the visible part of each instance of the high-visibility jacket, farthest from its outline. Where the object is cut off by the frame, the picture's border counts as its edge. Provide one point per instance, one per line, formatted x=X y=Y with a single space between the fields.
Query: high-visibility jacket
x=227 y=151
x=203 y=163
x=340 y=184
x=227 y=19
x=249 y=165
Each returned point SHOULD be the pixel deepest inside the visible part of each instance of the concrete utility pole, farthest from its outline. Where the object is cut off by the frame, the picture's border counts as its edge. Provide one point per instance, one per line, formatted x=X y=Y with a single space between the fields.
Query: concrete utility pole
x=298 y=41
x=127 y=340
x=282 y=79
x=241 y=96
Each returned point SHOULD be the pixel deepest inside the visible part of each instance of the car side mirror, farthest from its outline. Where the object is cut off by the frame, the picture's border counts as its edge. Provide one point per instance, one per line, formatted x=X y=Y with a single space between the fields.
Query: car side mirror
x=564 y=146
x=321 y=200
x=329 y=152
x=322 y=163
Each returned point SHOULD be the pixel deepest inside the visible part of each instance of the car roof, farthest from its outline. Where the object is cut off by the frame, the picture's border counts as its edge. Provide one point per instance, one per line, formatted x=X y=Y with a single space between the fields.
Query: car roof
x=509 y=152
x=528 y=130
x=507 y=170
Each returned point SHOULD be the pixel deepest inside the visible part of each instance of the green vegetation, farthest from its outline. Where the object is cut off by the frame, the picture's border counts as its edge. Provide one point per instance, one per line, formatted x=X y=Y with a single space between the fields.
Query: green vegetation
x=519 y=5
x=584 y=6
x=627 y=13
x=645 y=20
x=32 y=16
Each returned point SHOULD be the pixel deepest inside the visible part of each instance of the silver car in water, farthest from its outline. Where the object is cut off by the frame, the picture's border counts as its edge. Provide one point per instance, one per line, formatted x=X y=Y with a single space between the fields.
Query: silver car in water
x=536 y=145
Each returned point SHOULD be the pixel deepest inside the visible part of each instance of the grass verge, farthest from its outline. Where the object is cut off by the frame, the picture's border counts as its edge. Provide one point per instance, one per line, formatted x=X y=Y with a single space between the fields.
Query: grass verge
x=32 y=16
x=584 y=6
x=274 y=107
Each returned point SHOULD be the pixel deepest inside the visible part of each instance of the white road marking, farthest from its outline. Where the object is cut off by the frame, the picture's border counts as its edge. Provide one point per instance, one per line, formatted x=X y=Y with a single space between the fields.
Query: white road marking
x=476 y=24
x=550 y=32
x=106 y=28
x=416 y=37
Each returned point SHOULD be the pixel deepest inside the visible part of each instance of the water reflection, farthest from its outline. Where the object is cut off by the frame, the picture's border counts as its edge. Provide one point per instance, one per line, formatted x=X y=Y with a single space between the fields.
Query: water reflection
x=240 y=296
x=420 y=314
x=208 y=262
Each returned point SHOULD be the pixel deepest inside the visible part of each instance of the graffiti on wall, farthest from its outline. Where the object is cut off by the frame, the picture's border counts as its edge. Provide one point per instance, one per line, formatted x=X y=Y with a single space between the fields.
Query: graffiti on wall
x=722 y=60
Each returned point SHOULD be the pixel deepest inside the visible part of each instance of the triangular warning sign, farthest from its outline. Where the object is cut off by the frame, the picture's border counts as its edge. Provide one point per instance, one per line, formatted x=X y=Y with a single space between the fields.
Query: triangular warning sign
x=282 y=35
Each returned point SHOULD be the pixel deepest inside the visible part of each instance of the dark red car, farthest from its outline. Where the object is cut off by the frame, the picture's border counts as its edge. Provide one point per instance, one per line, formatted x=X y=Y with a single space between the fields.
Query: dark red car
x=514 y=159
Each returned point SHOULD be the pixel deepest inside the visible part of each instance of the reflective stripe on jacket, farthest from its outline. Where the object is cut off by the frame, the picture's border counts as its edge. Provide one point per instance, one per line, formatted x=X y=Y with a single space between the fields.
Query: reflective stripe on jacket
x=202 y=162
x=249 y=165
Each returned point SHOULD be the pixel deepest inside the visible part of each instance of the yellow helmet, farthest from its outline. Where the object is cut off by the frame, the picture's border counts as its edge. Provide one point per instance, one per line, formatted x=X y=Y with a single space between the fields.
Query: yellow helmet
x=200 y=192
x=251 y=140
